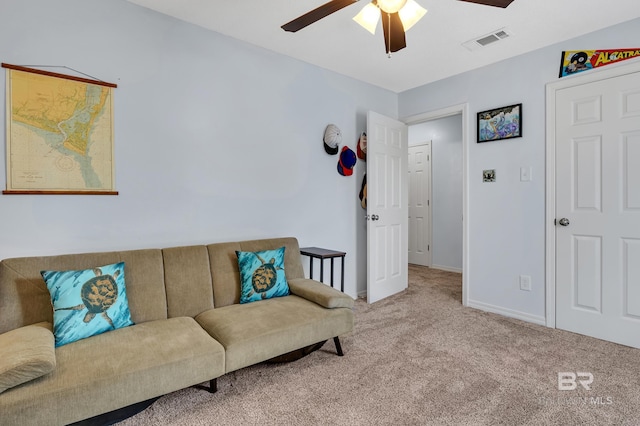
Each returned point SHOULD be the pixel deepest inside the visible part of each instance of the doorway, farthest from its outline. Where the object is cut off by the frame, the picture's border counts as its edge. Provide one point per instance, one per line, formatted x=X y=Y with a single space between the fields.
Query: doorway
x=457 y=114
x=445 y=134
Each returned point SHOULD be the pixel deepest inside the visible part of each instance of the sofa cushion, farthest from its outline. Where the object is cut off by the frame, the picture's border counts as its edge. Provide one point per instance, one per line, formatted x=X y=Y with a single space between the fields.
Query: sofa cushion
x=256 y=332
x=224 y=265
x=87 y=302
x=25 y=300
x=26 y=353
x=114 y=370
x=187 y=279
x=262 y=275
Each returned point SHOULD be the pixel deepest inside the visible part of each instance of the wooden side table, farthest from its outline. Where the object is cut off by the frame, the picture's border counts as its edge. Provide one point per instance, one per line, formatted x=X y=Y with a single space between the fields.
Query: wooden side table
x=322 y=254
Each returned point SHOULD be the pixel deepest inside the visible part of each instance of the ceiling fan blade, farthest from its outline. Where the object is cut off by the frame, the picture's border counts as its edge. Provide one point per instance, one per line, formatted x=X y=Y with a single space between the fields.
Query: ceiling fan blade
x=393 y=29
x=316 y=14
x=496 y=3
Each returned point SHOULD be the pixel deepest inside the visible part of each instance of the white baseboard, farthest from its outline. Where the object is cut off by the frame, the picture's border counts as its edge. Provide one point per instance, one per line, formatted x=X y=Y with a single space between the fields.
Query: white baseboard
x=362 y=294
x=446 y=268
x=535 y=319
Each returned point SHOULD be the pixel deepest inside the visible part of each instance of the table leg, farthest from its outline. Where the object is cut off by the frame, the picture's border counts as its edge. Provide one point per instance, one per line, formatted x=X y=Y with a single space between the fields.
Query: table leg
x=342 y=276
x=332 y=272
x=321 y=270
x=310 y=267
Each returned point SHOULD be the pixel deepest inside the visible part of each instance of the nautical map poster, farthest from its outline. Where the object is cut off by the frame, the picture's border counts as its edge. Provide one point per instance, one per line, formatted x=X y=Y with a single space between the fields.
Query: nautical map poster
x=59 y=133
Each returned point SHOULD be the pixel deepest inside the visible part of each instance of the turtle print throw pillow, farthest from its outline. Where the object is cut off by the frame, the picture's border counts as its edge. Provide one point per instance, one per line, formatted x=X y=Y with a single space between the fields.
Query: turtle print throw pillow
x=262 y=275
x=87 y=302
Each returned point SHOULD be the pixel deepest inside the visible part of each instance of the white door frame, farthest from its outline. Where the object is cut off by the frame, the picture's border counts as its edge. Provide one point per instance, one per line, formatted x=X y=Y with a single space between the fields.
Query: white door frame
x=462 y=109
x=430 y=204
x=611 y=71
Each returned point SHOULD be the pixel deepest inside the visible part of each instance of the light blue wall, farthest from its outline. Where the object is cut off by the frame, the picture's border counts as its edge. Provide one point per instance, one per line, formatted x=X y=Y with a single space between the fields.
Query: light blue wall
x=445 y=135
x=216 y=140
x=506 y=222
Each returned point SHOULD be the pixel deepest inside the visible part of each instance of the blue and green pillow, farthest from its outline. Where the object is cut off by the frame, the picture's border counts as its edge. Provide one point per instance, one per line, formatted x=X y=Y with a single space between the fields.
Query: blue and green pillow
x=87 y=302
x=262 y=275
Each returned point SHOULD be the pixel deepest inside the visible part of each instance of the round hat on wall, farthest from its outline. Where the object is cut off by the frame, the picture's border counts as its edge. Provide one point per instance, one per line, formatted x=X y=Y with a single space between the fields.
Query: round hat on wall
x=347 y=161
x=363 y=192
x=332 y=139
x=362 y=147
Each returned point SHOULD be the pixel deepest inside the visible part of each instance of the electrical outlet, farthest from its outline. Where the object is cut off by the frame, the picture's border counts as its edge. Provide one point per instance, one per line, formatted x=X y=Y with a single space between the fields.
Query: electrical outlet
x=525 y=282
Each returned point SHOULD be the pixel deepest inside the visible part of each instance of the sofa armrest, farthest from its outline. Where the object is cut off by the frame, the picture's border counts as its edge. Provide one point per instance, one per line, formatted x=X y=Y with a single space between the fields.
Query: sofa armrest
x=319 y=293
x=26 y=353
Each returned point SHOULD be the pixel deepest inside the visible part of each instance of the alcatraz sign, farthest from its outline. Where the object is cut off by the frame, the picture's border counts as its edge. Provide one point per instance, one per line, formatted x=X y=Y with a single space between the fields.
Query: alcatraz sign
x=575 y=61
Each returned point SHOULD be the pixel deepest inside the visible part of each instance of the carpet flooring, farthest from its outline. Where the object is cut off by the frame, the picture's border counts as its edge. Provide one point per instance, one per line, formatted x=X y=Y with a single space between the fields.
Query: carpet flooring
x=421 y=358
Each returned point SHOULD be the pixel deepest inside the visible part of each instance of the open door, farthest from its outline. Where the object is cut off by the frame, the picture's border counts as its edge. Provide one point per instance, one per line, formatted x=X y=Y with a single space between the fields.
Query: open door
x=387 y=206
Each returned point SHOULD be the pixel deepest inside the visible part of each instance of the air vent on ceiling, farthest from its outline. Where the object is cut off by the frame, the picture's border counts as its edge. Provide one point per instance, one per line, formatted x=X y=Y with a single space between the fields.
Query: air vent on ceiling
x=487 y=39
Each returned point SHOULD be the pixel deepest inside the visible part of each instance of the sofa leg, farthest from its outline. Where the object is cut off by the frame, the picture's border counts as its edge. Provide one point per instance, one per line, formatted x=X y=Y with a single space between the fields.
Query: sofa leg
x=336 y=340
x=212 y=388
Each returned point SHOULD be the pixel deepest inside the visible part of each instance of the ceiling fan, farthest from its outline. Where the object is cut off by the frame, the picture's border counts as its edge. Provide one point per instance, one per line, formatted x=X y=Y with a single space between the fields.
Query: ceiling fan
x=397 y=17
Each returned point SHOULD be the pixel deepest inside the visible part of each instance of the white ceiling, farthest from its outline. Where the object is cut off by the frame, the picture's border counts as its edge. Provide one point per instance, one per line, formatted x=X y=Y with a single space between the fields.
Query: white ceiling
x=434 y=45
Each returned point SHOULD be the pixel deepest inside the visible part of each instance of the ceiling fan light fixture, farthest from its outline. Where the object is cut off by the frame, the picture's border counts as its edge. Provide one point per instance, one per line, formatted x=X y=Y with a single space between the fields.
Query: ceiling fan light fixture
x=411 y=13
x=368 y=17
x=391 y=6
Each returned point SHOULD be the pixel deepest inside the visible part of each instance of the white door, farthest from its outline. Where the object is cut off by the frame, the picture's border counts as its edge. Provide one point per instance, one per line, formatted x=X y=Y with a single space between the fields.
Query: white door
x=598 y=209
x=387 y=207
x=420 y=204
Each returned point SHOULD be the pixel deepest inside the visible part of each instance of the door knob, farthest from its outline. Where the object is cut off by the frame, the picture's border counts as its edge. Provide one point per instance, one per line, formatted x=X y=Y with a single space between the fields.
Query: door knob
x=564 y=222
x=375 y=217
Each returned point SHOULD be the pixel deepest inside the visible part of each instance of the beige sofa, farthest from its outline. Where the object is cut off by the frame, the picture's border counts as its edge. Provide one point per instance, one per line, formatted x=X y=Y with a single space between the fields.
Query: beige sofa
x=189 y=329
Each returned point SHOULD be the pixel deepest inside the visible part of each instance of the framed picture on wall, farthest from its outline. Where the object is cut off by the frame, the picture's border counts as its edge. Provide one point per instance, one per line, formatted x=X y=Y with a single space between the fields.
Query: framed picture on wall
x=60 y=136
x=500 y=123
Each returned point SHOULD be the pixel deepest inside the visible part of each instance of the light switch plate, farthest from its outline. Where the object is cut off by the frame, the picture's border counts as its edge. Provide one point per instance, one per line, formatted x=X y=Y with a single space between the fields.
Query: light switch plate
x=525 y=174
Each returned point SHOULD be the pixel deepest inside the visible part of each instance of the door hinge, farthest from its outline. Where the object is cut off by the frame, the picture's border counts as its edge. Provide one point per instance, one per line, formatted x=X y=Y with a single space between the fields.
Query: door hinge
x=428 y=247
